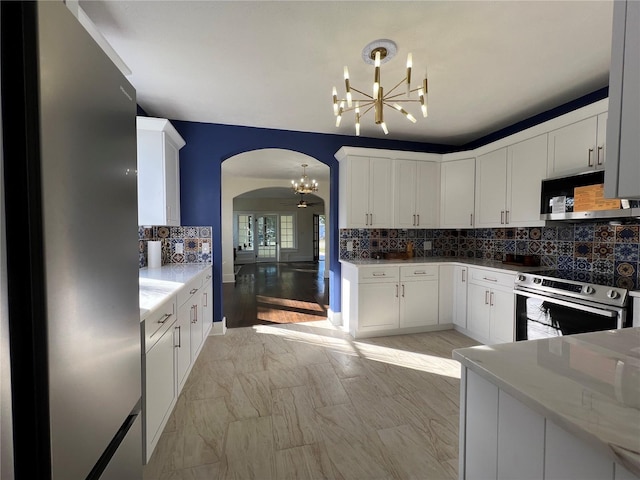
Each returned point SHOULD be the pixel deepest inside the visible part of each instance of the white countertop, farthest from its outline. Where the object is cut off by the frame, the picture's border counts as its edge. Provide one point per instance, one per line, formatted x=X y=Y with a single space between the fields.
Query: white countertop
x=589 y=384
x=157 y=284
x=472 y=262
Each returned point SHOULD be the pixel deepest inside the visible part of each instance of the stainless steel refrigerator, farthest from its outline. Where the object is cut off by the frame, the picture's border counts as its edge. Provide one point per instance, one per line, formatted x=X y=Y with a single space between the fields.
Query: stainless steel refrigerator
x=70 y=349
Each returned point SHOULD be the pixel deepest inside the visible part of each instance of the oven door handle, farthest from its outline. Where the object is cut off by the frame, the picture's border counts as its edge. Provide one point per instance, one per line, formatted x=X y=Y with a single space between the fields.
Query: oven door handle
x=578 y=306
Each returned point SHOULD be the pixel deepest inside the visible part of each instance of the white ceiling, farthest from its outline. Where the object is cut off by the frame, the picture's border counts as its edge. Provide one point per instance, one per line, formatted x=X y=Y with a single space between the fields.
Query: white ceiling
x=273 y=64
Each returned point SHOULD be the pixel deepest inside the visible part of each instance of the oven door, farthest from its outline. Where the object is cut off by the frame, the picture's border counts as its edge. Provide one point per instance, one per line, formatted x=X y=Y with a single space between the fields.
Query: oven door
x=544 y=316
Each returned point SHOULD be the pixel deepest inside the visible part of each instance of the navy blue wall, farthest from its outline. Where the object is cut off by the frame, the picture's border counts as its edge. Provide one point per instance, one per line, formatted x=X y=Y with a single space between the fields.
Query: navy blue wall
x=208 y=145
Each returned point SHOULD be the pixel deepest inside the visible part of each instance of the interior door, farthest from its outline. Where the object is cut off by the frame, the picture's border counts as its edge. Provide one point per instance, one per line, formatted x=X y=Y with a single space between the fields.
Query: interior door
x=267 y=238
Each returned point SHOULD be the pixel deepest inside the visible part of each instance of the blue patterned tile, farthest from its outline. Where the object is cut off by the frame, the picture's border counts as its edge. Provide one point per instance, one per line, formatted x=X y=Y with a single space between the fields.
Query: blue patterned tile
x=522 y=247
x=603 y=251
x=582 y=264
x=364 y=243
x=602 y=266
x=510 y=246
x=549 y=233
x=535 y=247
x=522 y=233
x=565 y=262
x=583 y=249
x=627 y=233
x=584 y=232
x=566 y=233
x=626 y=252
x=564 y=248
x=549 y=261
x=191 y=232
x=549 y=248
x=205 y=232
x=605 y=233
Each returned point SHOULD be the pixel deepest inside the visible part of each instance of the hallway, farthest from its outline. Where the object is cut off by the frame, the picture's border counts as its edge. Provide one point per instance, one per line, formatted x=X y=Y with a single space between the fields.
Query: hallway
x=276 y=293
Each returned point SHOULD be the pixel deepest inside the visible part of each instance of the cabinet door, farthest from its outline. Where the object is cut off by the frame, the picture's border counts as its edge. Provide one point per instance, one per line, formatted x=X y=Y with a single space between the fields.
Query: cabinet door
x=427 y=194
x=457 y=192
x=405 y=190
x=357 y=192
x=629 y=113
x=418 y=303
x=478 y=310
x=196 y=328
x=573 y=148
x=172 y=182
x=491 y=189
x=460 y=277
x=182 y=334
x=207 y=308
x=159 y=389
x=526 y=167
x=502 y=318
x=381 y=193
x=378 y=306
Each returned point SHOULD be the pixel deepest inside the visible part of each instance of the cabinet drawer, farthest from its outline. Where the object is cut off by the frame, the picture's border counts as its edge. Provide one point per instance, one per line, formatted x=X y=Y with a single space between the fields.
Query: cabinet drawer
x=154 y=326
x=190 y=289
x=491 y=277
x=419 y=272
x=377 y=274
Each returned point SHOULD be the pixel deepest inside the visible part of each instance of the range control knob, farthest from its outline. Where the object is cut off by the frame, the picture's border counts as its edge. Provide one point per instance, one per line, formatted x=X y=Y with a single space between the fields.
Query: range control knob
x=521 y=278
x=612 y=294
x=537 y=280
x=589 y=290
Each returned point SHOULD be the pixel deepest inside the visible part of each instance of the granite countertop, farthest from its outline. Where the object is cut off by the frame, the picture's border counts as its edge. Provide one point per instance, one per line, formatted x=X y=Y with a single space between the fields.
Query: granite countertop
x=589 y=384
x=157 y=284
x=473 y=262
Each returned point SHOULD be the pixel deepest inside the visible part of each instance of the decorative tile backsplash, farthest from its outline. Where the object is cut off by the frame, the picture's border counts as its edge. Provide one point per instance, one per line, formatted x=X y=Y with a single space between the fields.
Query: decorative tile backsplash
x=599 y=247
x=190 y=239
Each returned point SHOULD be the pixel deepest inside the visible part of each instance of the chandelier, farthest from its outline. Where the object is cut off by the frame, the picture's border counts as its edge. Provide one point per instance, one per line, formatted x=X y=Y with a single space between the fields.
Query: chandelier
x=376 y=53
x=305 y=185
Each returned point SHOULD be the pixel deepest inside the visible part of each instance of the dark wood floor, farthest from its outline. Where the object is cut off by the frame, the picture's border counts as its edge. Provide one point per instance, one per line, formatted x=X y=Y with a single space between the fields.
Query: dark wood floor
x=268 y=293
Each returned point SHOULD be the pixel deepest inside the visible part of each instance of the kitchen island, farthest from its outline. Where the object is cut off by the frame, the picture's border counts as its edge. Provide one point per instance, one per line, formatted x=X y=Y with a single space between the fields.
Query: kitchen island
x=564 y=407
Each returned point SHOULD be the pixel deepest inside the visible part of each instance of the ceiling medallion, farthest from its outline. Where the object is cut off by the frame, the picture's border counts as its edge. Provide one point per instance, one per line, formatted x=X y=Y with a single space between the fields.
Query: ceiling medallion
x=377 y=53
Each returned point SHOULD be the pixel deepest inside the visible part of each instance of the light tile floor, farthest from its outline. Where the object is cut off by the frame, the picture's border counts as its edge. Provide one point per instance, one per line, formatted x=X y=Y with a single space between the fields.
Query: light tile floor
x=306 y=401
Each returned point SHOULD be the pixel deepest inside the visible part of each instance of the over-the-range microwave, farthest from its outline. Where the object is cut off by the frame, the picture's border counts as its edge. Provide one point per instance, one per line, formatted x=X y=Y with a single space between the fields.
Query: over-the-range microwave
x=579 y=197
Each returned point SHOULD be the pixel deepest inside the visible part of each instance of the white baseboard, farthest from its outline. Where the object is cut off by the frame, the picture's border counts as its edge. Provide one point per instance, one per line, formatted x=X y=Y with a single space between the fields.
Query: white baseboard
x=228 y=278
x=219 y=328
x=334 y=317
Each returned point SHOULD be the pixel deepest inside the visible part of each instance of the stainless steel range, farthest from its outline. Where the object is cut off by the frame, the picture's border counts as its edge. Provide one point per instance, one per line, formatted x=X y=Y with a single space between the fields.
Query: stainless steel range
x=553 y=303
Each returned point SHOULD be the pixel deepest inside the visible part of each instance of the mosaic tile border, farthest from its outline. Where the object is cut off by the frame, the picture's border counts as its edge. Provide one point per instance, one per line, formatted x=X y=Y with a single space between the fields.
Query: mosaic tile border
x=190 y=237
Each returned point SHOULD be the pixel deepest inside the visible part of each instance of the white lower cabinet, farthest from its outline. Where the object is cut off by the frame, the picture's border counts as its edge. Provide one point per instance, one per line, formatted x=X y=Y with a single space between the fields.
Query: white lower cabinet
x=490 y=306
x=389 y=299
x=502 y=438
x=173 y=338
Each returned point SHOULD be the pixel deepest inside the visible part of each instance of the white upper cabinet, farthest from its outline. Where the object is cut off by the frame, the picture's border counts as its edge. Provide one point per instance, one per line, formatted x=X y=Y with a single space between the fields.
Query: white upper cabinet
x=578 y=147
x=491 y=189
x=622 y=174
x=416 y=193
x=457 y=187
x=508 y=184
x=158 y=172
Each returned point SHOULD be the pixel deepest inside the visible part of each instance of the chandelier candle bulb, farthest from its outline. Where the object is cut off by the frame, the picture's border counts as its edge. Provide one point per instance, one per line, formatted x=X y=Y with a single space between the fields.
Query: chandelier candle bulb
x=384 y=128
x=347 y=87
x=335 y=101
x=409 y=66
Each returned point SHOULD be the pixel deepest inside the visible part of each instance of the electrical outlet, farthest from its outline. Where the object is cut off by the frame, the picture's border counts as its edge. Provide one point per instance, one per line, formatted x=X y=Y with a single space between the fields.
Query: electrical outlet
x=179 y=247
x=205 y=247
x=427 y=245
x=350 y=246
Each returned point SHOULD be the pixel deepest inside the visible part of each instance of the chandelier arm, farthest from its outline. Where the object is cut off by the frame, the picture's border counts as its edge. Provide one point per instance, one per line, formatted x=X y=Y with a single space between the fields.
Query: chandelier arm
x=361 y=93
x=393 y=97
x=367 y=110
x=368 y=103
x=397 y=85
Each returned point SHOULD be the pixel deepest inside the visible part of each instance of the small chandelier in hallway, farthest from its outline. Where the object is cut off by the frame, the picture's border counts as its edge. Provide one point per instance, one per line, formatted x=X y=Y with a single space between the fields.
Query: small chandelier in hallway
x=305 y=185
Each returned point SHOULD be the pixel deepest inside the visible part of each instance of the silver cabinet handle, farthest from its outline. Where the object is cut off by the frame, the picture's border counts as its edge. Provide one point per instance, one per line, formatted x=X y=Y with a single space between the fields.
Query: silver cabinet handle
x=371 y=219
x=490 y=279
x=403 y=290
x=491 y=299
x=379 y=274
x=591 y=157
x=486 y=297
x=419 y=272
x=194 y=317
x=414 y=219
x=179 y=337
x=506 y=217
x=471 y=219
x=396 y=290
x=418 y=223
x=501 y=217
x=206 y=299
x=464 y=271
x=193 y=290
x=208 y=277
x=164 y=317
x=600 y=154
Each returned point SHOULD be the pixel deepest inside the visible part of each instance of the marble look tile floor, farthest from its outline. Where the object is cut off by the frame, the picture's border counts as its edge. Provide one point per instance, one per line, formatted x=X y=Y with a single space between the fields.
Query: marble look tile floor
x=306 y=401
